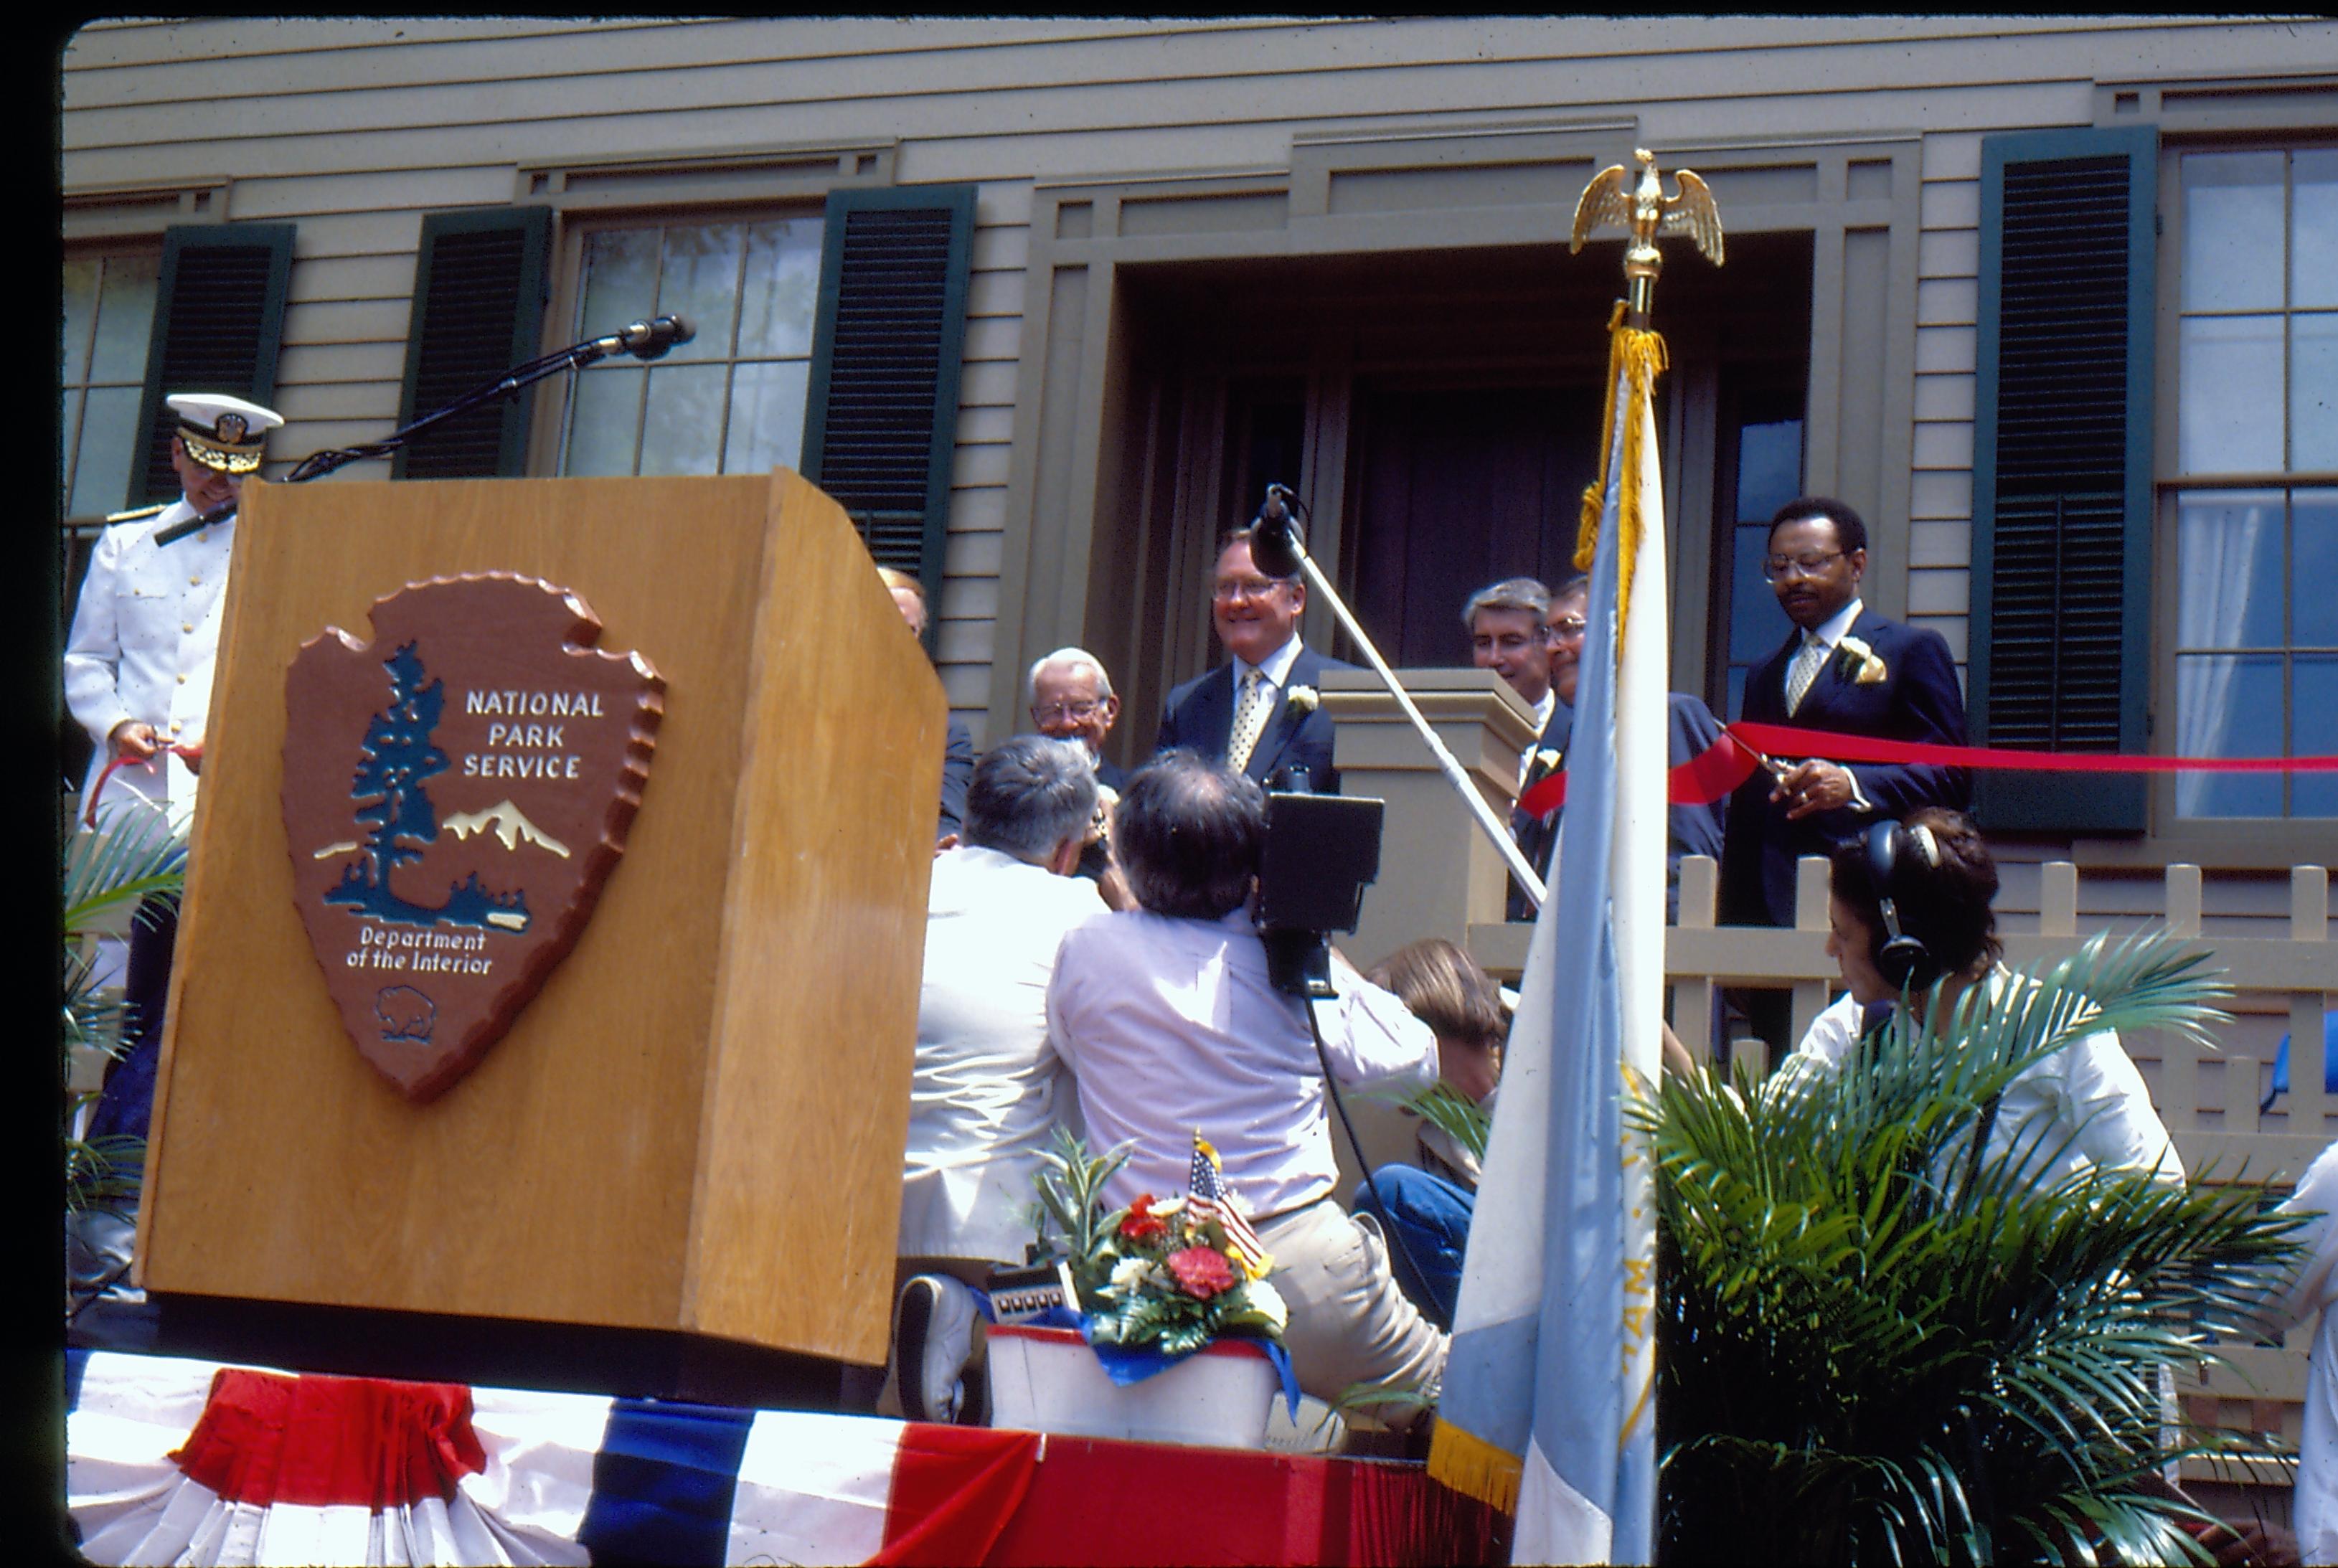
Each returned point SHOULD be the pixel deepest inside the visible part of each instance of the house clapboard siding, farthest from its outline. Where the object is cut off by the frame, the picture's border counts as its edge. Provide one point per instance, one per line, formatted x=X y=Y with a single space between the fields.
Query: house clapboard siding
x=353 y=128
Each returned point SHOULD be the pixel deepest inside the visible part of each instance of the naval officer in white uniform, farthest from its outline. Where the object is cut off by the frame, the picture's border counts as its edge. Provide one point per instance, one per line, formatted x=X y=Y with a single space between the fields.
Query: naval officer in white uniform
x=137 y=677
x=138 y=665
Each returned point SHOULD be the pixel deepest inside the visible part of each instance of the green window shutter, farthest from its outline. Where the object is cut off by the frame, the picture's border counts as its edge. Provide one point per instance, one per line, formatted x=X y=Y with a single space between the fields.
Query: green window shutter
x=881 y=418
x=218 y=322
x=2062 y=498
x=479 y=286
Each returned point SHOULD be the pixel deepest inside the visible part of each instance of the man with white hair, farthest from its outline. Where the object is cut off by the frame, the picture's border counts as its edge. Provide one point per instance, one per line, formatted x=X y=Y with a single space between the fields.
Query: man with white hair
x=988 y=1086
x=1071 y=699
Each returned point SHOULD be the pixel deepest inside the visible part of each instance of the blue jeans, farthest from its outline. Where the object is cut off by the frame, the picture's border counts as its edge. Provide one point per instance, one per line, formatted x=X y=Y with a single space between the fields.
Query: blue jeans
x=127 y=1104
x=1428 y=1222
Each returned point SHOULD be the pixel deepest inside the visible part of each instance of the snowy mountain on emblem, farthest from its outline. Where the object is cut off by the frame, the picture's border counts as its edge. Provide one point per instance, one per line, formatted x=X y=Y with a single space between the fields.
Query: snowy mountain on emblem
x=507 y=822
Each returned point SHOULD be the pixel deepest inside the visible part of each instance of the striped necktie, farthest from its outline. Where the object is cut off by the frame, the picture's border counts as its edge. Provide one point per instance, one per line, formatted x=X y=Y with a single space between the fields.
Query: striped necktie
x=1249 y=719
x=1805 y=671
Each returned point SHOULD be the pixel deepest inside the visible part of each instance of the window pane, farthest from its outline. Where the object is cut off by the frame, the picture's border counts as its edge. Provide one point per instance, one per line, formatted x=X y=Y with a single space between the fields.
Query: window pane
x=2314 y=734
x=2229 y=414
x=2313 y=389
x=102 y=467
x=1769 y=469
x=2314 y=227
x=702 y=282
x=1756 y=625
x=604 y=420
x=72 y=332
x=682 y=433
x=620 y=280
x=68 y=406
x=767 y=417
x=125 y=319
x=2229 y=569
x=2233 y=230
x=2228 y=705
x=2314 y=568
x=783 y=288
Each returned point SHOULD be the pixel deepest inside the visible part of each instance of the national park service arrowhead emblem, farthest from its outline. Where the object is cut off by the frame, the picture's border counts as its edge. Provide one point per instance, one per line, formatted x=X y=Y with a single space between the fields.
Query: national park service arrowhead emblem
x=455 y=793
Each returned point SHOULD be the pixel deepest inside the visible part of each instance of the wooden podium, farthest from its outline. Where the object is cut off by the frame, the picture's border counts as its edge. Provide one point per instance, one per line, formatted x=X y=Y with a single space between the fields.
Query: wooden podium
x=694 y=1130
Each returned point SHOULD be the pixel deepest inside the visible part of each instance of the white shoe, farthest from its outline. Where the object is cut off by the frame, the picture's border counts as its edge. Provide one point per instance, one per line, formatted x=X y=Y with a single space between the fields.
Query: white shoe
x=933 y=1338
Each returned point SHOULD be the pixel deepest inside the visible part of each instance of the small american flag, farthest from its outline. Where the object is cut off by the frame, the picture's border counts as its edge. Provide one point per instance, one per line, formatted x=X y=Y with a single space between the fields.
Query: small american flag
x=1208 y=1196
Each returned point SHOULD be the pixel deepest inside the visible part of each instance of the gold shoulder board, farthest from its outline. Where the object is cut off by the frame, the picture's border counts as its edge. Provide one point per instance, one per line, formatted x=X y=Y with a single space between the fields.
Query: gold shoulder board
x=139 y=514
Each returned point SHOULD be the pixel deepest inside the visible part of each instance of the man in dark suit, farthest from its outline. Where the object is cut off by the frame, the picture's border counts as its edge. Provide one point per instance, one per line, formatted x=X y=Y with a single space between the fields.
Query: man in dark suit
x=1509 y=634
x=1690 y=728
x=958 y=742
x=1844 y=669
x=1259 y=712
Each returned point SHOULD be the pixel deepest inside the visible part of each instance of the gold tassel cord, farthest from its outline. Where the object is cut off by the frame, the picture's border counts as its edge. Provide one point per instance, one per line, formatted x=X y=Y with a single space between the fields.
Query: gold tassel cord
x=1636 y=358
x=1469 y=1465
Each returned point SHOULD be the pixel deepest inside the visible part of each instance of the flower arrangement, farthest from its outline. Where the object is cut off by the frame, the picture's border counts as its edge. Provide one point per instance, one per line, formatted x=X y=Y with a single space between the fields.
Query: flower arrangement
x=1162 y=1274
x=1302 y=699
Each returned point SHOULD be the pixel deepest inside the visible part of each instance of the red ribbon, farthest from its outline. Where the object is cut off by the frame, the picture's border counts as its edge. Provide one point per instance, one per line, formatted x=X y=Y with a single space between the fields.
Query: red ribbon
x=1722 y=767
x=97 y=790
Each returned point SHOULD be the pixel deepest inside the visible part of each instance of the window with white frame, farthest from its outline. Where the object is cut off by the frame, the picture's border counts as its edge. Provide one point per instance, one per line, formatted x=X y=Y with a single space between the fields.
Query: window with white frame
x=731 y=400
x=107 y=320
x=2255 y=479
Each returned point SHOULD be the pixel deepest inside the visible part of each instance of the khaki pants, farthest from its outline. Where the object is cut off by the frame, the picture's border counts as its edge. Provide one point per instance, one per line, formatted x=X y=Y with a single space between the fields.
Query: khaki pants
x=1350 y=1323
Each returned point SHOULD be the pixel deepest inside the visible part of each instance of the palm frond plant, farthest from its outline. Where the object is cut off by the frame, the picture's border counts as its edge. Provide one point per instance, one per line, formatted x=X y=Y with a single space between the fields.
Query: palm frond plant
x=1445 y=1108
x=109 y=874
x=1071 y=1219
x=1883 y=1339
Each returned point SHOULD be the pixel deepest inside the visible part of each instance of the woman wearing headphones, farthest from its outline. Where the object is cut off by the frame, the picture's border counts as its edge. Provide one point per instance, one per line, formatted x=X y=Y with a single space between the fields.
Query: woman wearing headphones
x=1911 y=907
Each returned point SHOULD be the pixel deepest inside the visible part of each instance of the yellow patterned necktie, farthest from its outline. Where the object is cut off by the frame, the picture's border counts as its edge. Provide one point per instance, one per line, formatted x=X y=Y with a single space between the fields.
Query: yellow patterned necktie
x=1249 y=719
x=1805 y=671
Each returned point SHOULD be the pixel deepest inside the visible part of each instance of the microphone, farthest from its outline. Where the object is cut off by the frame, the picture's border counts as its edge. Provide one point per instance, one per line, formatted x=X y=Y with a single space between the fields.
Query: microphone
x=649 y=339
x=1275 y=546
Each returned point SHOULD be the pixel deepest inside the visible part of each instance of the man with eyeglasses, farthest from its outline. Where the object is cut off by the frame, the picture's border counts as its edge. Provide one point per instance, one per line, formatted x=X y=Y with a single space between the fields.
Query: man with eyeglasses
x=1844 y=669
x=1259 y=712
x=1071 y=699
x=1690 y=728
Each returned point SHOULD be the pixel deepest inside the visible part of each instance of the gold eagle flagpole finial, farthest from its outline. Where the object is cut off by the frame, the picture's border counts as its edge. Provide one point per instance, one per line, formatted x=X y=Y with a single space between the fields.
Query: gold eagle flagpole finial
x=1612 y=196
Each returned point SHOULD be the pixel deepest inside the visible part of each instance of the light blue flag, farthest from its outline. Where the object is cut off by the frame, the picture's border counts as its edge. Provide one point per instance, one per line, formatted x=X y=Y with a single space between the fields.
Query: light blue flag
x=1548 y=1397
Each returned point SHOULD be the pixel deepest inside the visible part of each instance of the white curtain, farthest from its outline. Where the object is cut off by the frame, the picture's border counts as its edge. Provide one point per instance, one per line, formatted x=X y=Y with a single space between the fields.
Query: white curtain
x=2211 y=609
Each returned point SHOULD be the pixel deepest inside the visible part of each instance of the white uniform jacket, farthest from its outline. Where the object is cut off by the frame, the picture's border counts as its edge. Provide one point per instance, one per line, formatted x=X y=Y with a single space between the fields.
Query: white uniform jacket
x=143 y=637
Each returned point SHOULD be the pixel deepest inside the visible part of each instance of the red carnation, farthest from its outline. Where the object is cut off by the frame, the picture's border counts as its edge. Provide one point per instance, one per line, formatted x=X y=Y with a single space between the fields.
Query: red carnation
x=1140 y=1225
x=1201 y=1271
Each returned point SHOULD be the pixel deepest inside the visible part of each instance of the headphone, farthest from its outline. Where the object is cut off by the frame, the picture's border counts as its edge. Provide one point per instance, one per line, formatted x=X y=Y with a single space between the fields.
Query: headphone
x=1903 y=959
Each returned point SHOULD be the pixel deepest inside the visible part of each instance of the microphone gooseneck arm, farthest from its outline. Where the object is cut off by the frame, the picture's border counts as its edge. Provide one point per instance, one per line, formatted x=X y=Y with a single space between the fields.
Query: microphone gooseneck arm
x=1276 y=549
x=644 y=339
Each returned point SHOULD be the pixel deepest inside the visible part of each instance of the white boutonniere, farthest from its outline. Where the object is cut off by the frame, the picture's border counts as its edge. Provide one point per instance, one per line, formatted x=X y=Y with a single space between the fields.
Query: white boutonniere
x=1549 y=757
x=1302 y=699
x=1855 y=658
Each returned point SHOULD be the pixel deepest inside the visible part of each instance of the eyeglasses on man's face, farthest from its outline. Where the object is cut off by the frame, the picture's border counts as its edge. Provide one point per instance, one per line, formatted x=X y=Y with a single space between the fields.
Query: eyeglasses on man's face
x=1059 y=712
x=1231 y=589
x=1786 y=568
x=1568 y=628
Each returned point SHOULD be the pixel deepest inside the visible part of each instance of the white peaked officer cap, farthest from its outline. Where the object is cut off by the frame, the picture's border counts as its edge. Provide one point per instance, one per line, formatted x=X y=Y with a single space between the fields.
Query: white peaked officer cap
x=222 y=433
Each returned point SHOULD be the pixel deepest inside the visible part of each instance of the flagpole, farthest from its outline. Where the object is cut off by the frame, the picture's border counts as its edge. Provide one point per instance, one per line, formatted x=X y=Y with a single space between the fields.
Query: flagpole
x=1548 y=1404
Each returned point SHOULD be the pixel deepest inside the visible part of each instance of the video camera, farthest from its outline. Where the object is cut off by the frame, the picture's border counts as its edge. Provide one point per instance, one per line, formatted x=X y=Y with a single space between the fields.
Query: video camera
x=1322 y=852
